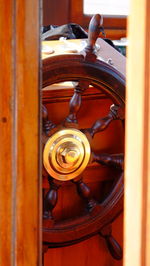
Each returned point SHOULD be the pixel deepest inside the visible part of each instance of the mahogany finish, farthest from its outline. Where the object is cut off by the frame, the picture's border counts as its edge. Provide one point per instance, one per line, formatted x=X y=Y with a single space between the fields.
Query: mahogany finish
x=116 y=160
x=102 y=123
x=6 y=127
x=113 y=246
x=85 y=193
x=94 y=31
x=55 y=101
x=54 y=15
x=75 y=102
x=82 y=69
x=47 y=124
x=20 y=186
x=50 y=200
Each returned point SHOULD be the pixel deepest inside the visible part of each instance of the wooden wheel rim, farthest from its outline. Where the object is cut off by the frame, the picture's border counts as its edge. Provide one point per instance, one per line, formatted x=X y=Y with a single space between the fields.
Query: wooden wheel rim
x=113 y=83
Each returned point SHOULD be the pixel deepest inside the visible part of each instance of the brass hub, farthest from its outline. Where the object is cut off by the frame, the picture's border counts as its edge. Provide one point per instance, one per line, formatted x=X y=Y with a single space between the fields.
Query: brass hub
x=66 y=154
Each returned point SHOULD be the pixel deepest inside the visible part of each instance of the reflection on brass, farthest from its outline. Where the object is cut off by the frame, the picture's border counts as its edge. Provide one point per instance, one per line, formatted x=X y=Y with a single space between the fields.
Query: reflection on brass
x=66 y=154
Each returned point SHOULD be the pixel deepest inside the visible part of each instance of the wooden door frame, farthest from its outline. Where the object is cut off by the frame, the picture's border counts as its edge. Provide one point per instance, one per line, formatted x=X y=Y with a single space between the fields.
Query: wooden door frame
x=20 y=184
x=137 y=167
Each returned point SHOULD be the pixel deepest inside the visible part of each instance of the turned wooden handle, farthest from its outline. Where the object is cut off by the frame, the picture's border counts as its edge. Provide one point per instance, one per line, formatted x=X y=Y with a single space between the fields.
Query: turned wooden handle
x=94 y=29
x=114 y=247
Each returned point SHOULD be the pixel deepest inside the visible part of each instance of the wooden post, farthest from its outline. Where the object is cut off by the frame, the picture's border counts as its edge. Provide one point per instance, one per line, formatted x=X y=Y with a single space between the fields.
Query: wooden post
x=137 y=174
x=20 y=237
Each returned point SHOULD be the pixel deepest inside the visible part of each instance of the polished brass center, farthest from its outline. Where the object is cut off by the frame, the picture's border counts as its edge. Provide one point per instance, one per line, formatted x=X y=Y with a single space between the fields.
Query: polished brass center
x=66 y=154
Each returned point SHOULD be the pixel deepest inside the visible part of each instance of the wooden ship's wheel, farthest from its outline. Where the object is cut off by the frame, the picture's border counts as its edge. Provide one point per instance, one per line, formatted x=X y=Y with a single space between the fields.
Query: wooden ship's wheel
x=69 y=151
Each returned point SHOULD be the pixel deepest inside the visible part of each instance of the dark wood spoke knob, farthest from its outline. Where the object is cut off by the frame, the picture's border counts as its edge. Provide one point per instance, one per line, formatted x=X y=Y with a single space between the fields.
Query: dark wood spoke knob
x=102 y=123
x=117 y=111
x=50 y=200
x=113 y=246
x=85 y=193
x=47 y=124
x=75 y=102
x=95 y=27
x=115 y=160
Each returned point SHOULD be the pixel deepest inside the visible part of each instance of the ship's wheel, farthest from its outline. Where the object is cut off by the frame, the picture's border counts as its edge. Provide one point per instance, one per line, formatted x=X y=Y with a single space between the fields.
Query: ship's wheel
x=68 y=148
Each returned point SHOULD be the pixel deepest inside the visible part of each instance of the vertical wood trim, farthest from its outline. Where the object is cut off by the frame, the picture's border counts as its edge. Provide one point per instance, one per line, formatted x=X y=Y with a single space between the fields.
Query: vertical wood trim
x=6 y=129
x=20 y=194
x=27 y=93
x=137 y=174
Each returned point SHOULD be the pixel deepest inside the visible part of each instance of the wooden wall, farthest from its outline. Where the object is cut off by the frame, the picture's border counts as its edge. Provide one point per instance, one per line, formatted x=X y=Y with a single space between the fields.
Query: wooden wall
x=91 y=252
x=20 y=215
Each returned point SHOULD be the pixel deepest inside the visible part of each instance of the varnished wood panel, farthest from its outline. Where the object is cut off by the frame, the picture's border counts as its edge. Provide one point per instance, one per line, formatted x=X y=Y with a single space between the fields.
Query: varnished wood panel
x=19 y=135
x=69 y=205
x=27 y=127
x=6 y=130
x=91 y=252
x=137 y=177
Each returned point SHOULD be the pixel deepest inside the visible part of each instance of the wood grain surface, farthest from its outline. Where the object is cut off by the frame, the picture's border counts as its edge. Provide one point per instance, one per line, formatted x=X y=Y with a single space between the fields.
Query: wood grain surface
x=137 y=177
x=6 y=129
x=19 y=135
x=91 y=252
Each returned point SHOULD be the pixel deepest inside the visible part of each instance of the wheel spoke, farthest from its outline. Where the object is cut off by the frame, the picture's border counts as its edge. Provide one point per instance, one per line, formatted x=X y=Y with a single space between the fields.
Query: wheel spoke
x=47 y=124
x=113 y=246
x=115 y=160
x=75 y=102
x=50 y=199
x=102 y=123
x=85 y=193
x=99 y=208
